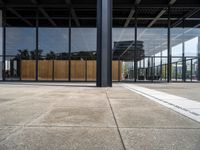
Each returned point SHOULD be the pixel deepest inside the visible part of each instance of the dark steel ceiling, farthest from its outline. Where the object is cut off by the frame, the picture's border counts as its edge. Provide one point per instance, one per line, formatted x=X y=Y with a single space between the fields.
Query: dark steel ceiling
x=55 y=13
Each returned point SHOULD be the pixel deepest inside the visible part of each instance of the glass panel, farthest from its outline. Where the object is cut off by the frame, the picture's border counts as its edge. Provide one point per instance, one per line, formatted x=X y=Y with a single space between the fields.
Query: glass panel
x=54 y=53
x=155 y=54
x=83 y=54
x=188 y=70
x=20 y=45
x=194 y=69
x=123 y=50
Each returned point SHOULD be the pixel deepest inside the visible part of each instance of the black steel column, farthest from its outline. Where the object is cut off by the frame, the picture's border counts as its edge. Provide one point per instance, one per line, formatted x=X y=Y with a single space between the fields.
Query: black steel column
x=104 y=43
x=152 y=69
x=176 y=71
x=4 y=43
x=191 y=70
x=161 y=66
x=135 y=56
x=183 y=54
x=69 y=57
x=198 y=69
x=37 y=42
x=169 y=49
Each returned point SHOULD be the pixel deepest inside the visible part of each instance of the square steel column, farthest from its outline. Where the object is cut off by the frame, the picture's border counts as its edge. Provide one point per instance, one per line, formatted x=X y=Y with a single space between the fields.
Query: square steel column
x=104 y=43
x=4 y=43
x=135 y=48
x=183 y=54
x=198 y=66
x=169 y=56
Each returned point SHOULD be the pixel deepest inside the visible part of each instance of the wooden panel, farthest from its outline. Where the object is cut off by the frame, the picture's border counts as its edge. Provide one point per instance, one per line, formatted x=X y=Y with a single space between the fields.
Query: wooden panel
x=45 y=68
x=116 y=70
x=28 y=71
x=78 y=70
x=120 y=70
x=91 y=70
x=61 y=69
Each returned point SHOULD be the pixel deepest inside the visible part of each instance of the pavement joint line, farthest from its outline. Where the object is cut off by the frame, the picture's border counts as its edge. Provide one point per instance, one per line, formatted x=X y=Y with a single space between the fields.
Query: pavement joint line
x=17 y=128
x=184 y=111
x=124 y=147
x=100 y=127
x=81 y=107
x=66 y=126
x=20 y=128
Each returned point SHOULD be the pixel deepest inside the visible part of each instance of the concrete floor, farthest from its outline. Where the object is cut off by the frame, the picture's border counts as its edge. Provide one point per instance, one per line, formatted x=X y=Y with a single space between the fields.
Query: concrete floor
x=187 y=90
x=60 y=116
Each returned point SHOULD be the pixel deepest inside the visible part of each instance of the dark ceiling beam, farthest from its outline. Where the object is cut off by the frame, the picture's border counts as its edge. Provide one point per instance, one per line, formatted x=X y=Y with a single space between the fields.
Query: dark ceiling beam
x=74 y=15
x=156 y=18
x=186 y=17
x=47 y=16
x=44 y=13
x=19 y=16
x=34 y=2
x=163 y=11
x=2 y=2
x=92 y=6
x=114 y=18
x=132 y=12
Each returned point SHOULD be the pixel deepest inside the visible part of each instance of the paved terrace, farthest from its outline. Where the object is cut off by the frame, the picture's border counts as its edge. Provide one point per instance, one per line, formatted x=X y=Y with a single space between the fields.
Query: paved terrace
x=64 y=116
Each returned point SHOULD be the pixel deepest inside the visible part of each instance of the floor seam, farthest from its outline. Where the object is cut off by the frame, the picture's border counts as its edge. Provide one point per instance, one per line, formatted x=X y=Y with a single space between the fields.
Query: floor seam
x=115 y=121
x=167 y=104
x=20 y=128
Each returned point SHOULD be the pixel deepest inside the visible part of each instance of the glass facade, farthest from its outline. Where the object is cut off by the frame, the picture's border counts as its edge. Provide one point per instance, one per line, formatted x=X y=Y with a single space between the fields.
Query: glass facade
x=60 y=44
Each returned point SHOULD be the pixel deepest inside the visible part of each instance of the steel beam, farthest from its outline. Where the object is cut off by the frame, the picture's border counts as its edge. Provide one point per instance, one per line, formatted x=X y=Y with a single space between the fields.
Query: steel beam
x=73 y=13
x=188 y=15
x=20 y=17
x=171 y=2
x=92 y=6
x=129 y=17
x=47 y=16
x=156 y=18
x=104 y=43
x=35 y=2
x=132 y=12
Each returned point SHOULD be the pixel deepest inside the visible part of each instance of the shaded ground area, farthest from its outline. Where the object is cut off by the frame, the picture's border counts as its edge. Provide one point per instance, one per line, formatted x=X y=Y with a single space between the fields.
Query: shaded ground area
x=187 y=90
x=60 y=116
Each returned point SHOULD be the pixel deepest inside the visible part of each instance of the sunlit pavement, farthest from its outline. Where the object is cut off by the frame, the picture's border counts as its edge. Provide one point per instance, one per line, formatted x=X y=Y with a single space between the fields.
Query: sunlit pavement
x=79 y=116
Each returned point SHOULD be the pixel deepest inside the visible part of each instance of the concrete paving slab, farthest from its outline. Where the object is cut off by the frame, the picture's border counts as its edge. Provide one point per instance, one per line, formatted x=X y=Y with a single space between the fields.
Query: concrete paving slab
x=11 y=115
x=151 y=117
x=4 y=100
x=85 y=96
x=124 y=95
x=176 y=103
x=74 y=116
x=161 y=139
x=5 y=131
x=64 y=139
x=83 y=102
x=77 y=116
x=132 y=103
x=186 y=90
